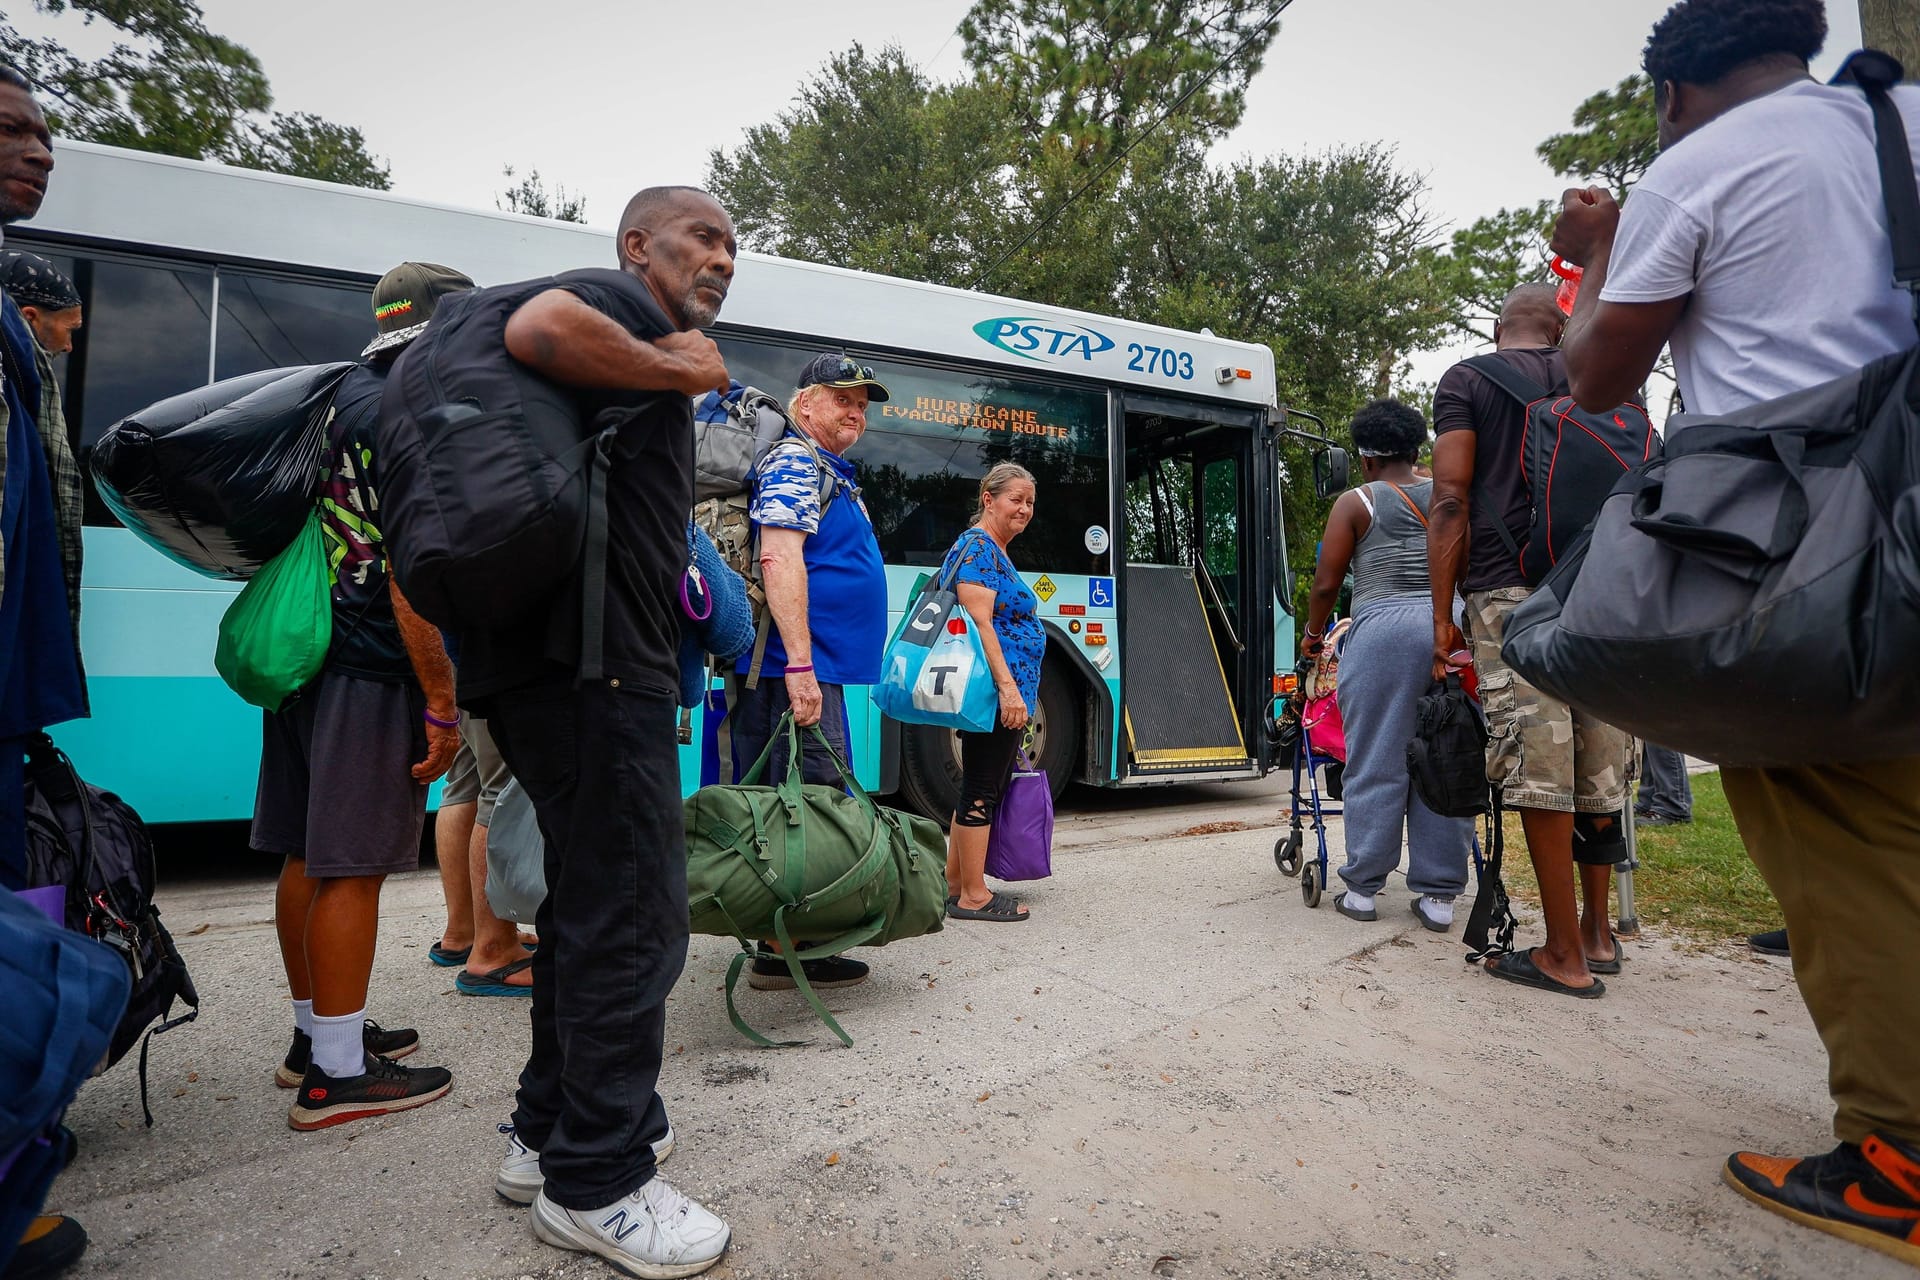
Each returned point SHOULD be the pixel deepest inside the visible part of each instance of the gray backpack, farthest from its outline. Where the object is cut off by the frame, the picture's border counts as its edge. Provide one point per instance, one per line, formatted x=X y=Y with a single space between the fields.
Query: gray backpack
x=1753 y=597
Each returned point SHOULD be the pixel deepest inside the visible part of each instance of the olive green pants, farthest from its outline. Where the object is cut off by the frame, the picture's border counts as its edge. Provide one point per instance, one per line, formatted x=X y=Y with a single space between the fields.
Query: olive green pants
x=1840 y=847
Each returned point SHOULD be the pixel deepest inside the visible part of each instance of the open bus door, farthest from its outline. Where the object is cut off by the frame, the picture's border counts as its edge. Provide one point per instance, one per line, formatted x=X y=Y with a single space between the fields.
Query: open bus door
x=1197 y=605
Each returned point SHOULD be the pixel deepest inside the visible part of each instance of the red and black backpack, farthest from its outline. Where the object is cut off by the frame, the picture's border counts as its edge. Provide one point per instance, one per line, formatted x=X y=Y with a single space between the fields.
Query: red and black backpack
x=1570 y=459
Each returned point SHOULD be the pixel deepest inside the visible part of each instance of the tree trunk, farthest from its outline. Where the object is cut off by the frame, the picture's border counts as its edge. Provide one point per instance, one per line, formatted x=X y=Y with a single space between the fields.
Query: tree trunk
x=1893 y=25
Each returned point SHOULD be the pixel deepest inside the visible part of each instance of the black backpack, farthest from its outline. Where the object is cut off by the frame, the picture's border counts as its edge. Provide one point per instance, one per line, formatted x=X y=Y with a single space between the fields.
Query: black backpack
x=92 y=842
x=492 y=488
x=1570 y=459
x=1447 y=758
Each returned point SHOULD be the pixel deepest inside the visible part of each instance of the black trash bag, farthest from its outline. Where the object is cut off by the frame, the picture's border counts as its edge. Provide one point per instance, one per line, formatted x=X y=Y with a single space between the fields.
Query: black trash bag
x=221 y=478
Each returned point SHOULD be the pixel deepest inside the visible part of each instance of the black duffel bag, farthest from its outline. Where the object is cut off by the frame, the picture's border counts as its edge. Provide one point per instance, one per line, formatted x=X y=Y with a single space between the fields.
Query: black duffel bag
x=221 y=478
x=1447 y=756
x=1753 y=597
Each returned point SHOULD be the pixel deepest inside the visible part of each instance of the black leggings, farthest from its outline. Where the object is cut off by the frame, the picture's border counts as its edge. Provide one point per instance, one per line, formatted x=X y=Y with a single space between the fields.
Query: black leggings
x=986 y=761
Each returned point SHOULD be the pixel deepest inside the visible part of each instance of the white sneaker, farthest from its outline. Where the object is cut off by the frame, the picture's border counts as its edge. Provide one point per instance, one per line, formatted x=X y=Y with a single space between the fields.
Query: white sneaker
x=655 y=1233
x=520 y=1180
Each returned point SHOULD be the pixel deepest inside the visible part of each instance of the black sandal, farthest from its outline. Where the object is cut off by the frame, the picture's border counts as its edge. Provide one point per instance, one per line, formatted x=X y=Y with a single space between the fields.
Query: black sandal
x=999 y=908
x=1518 y=966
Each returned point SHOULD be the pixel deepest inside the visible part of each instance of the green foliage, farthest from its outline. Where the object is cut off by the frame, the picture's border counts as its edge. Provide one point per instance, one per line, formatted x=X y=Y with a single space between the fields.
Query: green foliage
x=1330 y=260
x=531 y=197
x=1615 y=137
x=174 y=87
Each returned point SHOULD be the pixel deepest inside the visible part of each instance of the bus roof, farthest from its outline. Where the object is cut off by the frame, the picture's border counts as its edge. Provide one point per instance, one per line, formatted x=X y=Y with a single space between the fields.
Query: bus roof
x=113 y=195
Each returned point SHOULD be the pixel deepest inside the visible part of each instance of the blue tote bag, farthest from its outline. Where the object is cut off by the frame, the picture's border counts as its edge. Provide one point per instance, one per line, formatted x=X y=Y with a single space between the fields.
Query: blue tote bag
x=935 y=669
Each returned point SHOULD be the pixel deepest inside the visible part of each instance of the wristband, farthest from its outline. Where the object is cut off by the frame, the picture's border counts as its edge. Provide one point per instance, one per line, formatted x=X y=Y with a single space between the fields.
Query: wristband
x=438 y=723
x=794 y=671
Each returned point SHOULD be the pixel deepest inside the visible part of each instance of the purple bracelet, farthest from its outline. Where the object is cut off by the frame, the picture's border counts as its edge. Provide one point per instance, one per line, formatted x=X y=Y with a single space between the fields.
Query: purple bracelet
x=793 y=671
x=438 y=723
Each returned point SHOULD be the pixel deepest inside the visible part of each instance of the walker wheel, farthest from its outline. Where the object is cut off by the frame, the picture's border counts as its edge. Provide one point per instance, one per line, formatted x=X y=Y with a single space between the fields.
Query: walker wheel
x=1313 y=882
x=1286 y=853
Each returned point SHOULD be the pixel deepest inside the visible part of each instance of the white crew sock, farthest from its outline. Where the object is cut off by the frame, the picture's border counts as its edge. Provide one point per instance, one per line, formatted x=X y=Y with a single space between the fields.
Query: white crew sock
x=303 y=1016
x=337 y=1046
x=1436 y=910
x=1358 y=903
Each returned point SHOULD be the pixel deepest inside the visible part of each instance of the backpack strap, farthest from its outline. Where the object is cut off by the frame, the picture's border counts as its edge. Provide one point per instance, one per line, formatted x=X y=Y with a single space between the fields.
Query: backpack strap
x=1508 y=379
x=1877 y=73
x=593 y=567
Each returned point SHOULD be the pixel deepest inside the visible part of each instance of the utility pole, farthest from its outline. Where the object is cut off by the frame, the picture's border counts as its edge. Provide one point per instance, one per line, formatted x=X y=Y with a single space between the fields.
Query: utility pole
x=1893 y=25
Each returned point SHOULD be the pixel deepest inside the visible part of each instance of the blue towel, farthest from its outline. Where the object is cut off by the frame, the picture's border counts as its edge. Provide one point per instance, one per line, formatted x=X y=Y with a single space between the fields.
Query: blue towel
x=728 y=630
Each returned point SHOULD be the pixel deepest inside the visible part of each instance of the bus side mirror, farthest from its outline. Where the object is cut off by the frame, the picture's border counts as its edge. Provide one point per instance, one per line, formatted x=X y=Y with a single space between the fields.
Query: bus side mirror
x=1330 y=471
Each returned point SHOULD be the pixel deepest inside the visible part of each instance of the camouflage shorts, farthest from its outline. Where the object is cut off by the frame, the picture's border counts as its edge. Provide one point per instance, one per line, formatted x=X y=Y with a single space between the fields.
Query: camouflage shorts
x=1543 y=753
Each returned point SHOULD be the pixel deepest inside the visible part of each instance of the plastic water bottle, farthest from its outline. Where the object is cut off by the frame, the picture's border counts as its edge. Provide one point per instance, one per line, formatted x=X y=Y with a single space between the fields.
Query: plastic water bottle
x=1461 y=660
x=1569 y=283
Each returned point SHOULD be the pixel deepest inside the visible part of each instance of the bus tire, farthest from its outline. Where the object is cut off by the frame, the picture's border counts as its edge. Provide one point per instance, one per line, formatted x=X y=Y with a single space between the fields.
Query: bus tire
x=930 y=776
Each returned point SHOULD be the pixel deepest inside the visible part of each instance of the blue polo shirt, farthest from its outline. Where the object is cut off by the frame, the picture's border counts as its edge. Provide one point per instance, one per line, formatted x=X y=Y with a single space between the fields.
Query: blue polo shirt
x=846 y=583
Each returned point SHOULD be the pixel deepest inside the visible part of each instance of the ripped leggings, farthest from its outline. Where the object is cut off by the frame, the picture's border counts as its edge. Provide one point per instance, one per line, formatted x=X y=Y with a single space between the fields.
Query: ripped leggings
x=986 y=761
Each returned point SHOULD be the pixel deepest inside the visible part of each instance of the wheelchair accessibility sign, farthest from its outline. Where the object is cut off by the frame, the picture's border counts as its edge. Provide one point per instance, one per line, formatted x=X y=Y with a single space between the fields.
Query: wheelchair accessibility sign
x=1100 y=593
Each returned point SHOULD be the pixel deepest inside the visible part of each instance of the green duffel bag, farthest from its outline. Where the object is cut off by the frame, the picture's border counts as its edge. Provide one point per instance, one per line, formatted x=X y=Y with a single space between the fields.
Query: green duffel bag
x=274 y=636
x=808 y=864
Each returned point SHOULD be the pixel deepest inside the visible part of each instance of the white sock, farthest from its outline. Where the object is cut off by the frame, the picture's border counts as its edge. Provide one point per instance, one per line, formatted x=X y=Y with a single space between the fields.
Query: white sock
x=1359 y=903
x=303 y=1016
x=1437 y=911
x=337 y=1046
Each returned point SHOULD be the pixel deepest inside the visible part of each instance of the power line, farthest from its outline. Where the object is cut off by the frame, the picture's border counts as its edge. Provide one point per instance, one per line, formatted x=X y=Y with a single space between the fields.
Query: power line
x=1084 y=187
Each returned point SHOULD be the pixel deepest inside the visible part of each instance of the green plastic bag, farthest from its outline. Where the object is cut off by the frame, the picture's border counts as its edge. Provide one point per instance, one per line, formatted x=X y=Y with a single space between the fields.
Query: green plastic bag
x=804 y=863
x=275 y=634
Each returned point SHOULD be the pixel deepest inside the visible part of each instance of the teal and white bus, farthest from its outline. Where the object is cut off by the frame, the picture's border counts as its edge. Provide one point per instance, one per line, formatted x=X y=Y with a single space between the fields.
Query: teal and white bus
x=1156 y=548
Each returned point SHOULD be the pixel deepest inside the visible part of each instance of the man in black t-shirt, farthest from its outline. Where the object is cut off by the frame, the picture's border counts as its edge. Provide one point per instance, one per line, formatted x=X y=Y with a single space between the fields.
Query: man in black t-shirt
x=1564 y=771
x=598 y=758
x=345 y=765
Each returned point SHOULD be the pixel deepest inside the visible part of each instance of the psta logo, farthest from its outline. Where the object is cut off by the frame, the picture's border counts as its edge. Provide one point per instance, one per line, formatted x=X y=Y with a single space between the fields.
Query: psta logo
x=1035 y=339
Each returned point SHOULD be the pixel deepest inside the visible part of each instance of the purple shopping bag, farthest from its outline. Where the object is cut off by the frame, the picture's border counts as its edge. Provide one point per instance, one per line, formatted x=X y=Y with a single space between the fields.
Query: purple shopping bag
x=1020 y=846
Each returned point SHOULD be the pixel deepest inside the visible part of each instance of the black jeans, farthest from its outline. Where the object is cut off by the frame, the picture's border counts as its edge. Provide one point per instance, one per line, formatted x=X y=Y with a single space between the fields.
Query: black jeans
x=601 y=767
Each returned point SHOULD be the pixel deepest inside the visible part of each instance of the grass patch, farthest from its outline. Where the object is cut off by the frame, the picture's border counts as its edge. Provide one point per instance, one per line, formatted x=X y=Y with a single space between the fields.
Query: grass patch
x=1696 y=877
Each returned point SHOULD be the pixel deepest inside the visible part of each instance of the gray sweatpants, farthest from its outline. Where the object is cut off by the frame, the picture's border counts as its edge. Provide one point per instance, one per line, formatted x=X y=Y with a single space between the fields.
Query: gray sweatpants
x=1384 y=668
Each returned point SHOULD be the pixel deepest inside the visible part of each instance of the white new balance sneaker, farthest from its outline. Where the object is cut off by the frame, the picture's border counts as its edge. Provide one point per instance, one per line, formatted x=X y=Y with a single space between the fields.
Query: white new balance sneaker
x=656 y=1233
x=520 y=1180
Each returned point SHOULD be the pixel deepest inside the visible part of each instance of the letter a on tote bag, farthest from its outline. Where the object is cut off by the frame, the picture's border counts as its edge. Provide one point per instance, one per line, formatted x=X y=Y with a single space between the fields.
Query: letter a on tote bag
x=935 y=668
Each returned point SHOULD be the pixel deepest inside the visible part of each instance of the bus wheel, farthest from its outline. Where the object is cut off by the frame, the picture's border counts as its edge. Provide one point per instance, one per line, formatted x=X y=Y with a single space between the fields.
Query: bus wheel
x=930 y=775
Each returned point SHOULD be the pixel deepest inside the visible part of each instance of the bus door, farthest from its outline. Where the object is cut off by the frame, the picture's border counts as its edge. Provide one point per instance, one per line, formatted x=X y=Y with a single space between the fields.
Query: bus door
x=1196 y=643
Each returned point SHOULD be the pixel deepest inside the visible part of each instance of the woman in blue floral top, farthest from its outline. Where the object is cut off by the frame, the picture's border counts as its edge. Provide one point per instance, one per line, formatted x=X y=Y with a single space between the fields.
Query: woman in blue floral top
x=1008 y=616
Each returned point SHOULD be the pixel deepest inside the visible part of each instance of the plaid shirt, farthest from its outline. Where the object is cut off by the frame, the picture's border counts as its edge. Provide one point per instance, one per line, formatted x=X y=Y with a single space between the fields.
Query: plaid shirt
x=69 y=498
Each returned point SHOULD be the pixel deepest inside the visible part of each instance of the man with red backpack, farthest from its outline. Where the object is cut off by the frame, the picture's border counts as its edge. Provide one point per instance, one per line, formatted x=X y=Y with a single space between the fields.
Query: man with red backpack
x=1566 y=773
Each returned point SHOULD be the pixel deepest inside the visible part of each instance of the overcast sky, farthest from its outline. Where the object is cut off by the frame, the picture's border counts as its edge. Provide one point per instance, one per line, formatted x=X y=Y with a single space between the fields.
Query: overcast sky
x=606 y=96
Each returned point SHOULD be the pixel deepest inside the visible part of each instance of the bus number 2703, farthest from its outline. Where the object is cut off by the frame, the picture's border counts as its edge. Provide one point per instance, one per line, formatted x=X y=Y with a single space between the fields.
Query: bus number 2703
x=1164 y=361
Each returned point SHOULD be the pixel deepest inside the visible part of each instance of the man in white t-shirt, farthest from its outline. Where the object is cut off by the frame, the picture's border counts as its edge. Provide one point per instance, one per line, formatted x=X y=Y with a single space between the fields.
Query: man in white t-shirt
x=1757 y=244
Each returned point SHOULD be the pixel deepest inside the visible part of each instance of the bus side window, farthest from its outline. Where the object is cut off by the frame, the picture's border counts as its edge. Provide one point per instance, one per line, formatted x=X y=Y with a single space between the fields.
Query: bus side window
x=267 y=322
x=146 y=336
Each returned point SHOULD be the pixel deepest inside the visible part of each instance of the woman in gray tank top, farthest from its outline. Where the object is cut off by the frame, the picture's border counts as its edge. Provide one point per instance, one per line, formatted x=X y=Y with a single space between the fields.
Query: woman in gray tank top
x=1379 y=530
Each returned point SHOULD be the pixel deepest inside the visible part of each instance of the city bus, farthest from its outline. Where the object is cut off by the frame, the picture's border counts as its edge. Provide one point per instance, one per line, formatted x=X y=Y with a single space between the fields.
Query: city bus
x=1156 y=549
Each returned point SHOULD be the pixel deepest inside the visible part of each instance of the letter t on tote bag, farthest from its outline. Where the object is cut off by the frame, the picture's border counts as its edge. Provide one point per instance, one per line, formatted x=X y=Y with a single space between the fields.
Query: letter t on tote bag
x=935 y=669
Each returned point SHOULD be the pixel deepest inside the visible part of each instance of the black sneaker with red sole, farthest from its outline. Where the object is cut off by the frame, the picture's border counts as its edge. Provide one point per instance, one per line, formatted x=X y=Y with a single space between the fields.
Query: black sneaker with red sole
x=1869 y=1194
x=386 y=1087
x=376 y=1039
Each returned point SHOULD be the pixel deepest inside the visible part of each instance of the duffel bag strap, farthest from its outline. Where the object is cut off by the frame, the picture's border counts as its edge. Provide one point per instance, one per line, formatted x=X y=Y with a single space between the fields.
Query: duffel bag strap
x=852 y=938
x=1877 y=72
x=593 y=564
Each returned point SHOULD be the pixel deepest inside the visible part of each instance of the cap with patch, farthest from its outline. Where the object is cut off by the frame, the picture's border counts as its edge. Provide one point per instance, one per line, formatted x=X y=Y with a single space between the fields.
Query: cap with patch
x=405 y=299
x=833 y=370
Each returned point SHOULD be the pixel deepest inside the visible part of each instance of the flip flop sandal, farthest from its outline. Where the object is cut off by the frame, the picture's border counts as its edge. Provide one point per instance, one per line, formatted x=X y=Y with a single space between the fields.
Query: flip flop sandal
x=494 y=983
x=446 y=958
x=1608 y=966
x=1518 y=966
x=999 y=908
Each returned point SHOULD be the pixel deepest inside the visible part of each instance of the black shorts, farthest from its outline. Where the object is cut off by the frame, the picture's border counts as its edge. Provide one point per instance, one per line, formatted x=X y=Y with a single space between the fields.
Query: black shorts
x=335 y=787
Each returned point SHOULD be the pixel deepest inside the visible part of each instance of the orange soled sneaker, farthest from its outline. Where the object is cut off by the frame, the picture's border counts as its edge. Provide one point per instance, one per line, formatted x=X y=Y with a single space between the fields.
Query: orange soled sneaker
x=1869 y=1194
x=385 y=1086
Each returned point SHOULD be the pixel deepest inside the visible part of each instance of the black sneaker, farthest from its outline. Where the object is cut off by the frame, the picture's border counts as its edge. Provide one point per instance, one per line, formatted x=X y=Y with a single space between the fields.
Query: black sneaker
x=376 y=1039
x=1869 y=1194
x=769 y=972
x=386 y=1086
x=50 y=1245
x=1771 y=943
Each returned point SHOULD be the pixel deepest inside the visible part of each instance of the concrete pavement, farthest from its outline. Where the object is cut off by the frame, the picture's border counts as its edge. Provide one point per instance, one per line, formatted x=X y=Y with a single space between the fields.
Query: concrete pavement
x=1173 y=1069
